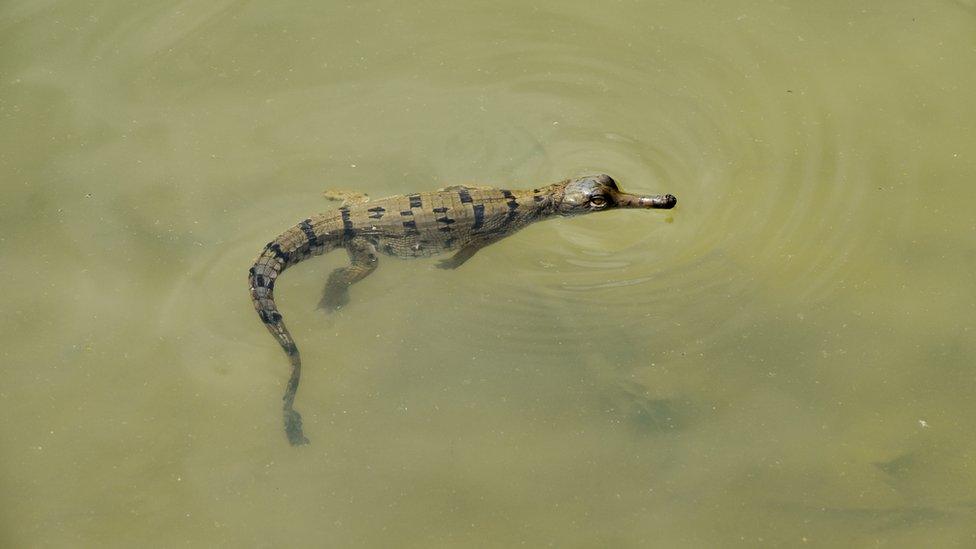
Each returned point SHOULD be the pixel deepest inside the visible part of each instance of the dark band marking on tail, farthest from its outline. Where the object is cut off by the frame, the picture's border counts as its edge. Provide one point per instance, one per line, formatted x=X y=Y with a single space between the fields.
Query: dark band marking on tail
x=306 y=227
x=269 y=317
x=465 y=196
x=262 y=281
x=415 y=201
x=275 y=249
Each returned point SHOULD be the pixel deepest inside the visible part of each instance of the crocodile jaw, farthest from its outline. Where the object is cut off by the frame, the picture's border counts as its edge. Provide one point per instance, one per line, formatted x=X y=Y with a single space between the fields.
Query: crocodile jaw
x=657 y=201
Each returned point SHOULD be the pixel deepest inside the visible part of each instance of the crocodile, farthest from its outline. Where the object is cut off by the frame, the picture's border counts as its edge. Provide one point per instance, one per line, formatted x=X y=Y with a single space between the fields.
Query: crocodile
x=459 y=219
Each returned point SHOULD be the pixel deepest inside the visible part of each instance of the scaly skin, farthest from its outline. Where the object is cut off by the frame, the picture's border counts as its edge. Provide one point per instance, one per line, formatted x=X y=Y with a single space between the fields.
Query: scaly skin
x=459 y=218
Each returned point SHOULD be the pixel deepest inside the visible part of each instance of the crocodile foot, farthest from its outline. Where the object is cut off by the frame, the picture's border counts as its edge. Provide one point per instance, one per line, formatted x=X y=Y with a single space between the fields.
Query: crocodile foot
x=449 y=263
x=345 y=198
x=334 y=298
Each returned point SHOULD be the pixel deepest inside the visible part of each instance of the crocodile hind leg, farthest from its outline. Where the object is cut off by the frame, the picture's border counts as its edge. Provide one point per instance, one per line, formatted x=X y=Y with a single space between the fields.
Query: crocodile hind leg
x=363 y=256
x=345 y=198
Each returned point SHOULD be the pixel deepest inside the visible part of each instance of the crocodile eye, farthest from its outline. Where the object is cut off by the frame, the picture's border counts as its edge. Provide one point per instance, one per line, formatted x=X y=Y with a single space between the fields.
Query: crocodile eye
x=598 y=201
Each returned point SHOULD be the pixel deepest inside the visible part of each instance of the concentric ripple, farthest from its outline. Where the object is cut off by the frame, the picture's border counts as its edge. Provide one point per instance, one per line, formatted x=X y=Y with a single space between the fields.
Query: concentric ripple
x=764 y=162
x=767 y=211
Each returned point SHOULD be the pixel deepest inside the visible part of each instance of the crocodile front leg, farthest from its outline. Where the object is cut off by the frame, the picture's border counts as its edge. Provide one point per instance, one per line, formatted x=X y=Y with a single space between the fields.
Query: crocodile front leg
x=462 y=255
x=364 y=260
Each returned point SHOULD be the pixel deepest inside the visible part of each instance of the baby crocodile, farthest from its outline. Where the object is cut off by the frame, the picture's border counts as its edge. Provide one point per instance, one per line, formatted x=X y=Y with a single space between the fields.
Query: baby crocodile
x=459 y=218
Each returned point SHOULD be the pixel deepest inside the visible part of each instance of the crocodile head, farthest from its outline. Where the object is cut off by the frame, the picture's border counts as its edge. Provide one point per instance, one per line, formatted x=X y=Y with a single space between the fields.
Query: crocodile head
x=597 y=193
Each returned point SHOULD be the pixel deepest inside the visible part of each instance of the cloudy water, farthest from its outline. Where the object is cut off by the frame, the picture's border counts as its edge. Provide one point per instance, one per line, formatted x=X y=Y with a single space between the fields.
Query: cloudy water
x=786 y=358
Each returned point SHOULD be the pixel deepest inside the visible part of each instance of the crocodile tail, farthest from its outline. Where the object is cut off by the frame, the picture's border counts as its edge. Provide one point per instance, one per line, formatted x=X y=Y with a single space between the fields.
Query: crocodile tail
x=262 y=277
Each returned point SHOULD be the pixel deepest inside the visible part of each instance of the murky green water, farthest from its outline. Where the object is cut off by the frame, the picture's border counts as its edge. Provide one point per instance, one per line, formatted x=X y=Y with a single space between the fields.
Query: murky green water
x=785 y=359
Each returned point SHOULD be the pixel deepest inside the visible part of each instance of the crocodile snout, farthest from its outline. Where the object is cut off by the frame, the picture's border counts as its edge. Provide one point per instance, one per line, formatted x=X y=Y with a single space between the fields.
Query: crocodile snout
x=658 y=201
x=666 y=202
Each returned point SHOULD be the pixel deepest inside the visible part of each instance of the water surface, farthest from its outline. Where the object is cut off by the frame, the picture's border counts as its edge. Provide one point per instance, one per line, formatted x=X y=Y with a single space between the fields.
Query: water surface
x=784 y=359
